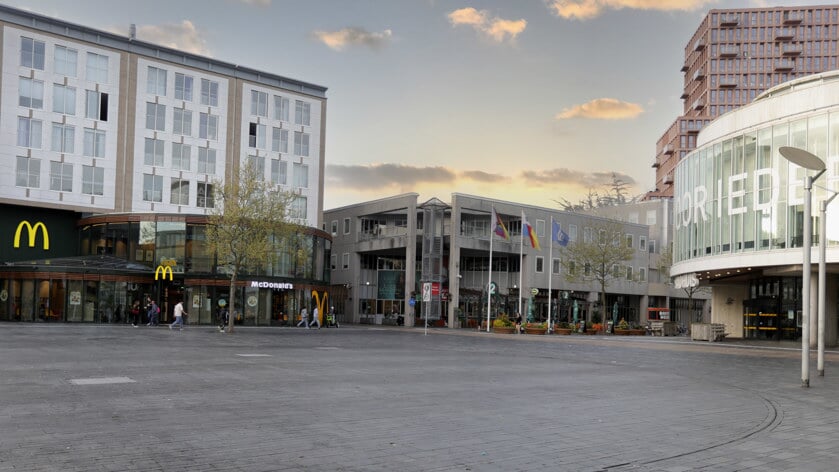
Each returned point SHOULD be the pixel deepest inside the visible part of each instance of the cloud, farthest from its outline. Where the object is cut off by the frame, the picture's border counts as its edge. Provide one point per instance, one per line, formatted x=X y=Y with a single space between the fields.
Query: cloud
x=588 y=9
x=340 y=39
x=387 y=175
x=498 y=29
x=563 y=176
x=602 y=109
x=184 y=36
x=483 y=177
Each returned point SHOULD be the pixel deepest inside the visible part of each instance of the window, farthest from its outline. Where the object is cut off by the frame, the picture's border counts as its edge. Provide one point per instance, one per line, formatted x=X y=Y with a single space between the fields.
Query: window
x=651 y=217
x=28 y=172
x=31 y=94
x=587 y=269
x=93 y=180
x=31 y=53
x=207 y=126
x=301 y=112
x=281 y=106
x=540 y=264
x=301 y=144
x=152 y=188
x=183 y=87
x=628 y=272
x=298 y=207
x=586 y=235
x=179 y=192
x=333 y=261
x=572 y=267
x=156 y=81
x=63 y=138
x=206 y=197
x=258 y=164
x=259 y=103
x=651 y=245
x=345 y=260
x=572 y=233
x=94 y=142
x=346 y=227
x=630 y=241
x=97 y=68
x=154 y=152
x=61 y=176
x=642 y=243
x=96 y=105
x=29 y=132
x=279 y=140
x=180 y=156
x=256 y=136
x=642 y=274
x=540 y=228
x=182 y=119
x=616 y=271
x=207 y=160
x=155 y=116
x=301 y=175
x=65 y=61
x=209 y=92
x=555 y=266
x=334 y=228
x=279 y=172
x=63 y=99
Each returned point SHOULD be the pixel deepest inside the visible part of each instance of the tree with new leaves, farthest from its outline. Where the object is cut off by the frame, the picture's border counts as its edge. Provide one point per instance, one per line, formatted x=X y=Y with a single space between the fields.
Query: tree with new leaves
x=593 y=260
x=249 y=221
x=691 y=290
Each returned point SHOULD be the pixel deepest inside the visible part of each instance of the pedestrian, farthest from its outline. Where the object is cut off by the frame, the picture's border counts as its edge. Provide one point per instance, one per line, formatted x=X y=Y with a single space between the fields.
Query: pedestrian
x=518 y=323
x=135 y=313
x=223 y=317
x=179 y=316
x=153 y=313
x=304 y=318
x=315 y=317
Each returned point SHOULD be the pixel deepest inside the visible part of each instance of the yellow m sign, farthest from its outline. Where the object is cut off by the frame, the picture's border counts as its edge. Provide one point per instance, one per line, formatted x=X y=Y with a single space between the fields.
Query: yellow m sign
x=163 y=269
x=32 y=232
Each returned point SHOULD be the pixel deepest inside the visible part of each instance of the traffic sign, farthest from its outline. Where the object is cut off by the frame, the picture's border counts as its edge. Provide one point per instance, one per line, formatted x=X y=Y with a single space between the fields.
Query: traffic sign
x=493 y=288
x=534 y=291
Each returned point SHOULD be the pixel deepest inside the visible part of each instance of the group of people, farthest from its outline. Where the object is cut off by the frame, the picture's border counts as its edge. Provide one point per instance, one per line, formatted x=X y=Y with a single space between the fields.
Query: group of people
x=152 y=311
x=304 y=318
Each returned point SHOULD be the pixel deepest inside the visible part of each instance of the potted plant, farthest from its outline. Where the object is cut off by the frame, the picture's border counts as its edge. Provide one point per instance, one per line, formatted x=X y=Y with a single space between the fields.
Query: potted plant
x=563 y=327
x=594 y=328
x=637 y=330
x=535 y=328
x=503 y=325
x=622 y=328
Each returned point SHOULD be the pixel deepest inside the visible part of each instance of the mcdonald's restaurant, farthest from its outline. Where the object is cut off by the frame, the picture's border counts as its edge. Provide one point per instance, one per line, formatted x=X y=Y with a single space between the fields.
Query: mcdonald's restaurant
x=64 y=266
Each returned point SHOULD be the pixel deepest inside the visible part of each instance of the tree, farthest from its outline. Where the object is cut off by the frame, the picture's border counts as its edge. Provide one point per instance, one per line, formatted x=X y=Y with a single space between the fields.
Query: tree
x=249 y=221
x=615 y=194
x=594 y=258
x=690 y=287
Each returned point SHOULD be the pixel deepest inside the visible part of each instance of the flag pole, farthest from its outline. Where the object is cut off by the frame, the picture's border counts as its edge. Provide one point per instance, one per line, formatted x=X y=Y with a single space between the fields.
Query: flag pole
x=550 y=272
x=521 y=259
x=489 y=283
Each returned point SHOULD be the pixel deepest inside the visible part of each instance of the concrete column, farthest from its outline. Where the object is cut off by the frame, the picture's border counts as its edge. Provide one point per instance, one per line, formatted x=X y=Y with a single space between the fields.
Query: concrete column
x=454 y=263
x=831 y=323
x=410 y=261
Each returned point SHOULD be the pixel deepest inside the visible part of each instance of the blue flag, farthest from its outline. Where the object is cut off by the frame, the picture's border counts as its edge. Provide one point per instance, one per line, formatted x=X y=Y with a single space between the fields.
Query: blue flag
x=559 y=236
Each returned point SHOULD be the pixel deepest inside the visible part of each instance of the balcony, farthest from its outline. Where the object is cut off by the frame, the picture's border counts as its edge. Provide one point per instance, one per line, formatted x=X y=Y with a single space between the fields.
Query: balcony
x=793 y=17
x=730 y=19
x=728 y=82
x=700 y=45
x=684 y=95
x=699 y=74
x=668 y=179
x=656 y=164
x=668 y=149
x=729 y=50
x=784 y=34
x=784 y=64
x=698 y=104
x=791 y=49
x=684 y=68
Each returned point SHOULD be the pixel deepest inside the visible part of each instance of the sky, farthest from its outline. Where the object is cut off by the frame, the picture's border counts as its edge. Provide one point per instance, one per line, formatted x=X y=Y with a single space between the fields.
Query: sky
x=530 y=101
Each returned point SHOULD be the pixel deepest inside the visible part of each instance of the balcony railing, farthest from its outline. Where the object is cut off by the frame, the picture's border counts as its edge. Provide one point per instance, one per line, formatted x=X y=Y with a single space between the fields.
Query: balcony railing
x=700 y=45
x=698 y=104
x=699 y=74
x=793 y=17
x=792 y=49
x=730 y=19
x=729 y=50
x=784 y=64
x=728 y=82
x=784 y=34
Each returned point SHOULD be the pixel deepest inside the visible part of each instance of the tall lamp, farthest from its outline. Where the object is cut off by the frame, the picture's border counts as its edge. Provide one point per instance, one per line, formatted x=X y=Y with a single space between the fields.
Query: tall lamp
x=822 y=278
x=808 y=161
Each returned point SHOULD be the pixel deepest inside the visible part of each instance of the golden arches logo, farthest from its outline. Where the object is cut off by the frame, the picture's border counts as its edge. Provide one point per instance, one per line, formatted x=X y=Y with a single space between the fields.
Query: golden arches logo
x=321 y=304
x=32 y=232
x=163 y=269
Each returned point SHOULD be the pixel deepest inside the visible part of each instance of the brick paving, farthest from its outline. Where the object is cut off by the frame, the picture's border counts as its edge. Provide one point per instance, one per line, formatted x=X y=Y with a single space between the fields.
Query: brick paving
x=107 y=398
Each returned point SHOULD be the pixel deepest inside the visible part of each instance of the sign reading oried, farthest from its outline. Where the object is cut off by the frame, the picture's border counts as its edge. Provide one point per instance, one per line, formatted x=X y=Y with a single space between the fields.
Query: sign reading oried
x=32 y=232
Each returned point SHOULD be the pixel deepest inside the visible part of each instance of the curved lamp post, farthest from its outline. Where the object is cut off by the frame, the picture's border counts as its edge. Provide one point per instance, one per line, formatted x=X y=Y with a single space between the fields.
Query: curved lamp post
x=808 y=161
x=822 y=278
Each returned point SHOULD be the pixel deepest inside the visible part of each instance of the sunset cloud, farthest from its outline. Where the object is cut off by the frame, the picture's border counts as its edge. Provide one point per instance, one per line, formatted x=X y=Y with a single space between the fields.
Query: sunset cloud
x=577 y=178
x=588 y=9
x=338 y=40
x=498 y=29
x=184 y=36
x=602 y=109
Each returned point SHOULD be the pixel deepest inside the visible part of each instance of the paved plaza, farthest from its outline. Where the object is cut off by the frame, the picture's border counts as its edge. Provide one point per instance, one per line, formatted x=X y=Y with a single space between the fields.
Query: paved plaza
x=114 y=398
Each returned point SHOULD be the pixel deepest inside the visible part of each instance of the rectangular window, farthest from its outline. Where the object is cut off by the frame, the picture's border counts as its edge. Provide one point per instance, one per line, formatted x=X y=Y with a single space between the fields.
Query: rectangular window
x=209 y=92
x=345 y=260
x=281 y=106
x=299 y=207
x=156 y=81
x=206 y=198
x=628 y=272
x=540 y=264
x=32 y=53
x=65 y=61
x=630 y=241
x=207 y=126
x=97 y=68
x=616 y=271
x=29 y=132
x=259 y=103
x=63 y=138
x=346 y=227
x=651 y=217
x=279 y=172
x=179 y=192
x=642 y=243
x=301 y=112
x=96 y=105
x=256 y=135
x=183 y=87
x=279 y=140
x=301 y=175
x=63 y=99
x=155 y=116
x=334 y=227
x=642 y=274
x=651 y=246
x=207 y=160
x=93 y=180
x=153 y=152
x=182 y=121
x=94 y=143
x=555 y=266
x=586 y=235
x=258 y=164
x=572 y=233
x=333 y=261
x=301 y=144
x=28 y=172
x=180 y=156
x=61 y=176
x=152 y=188
x=31 y=93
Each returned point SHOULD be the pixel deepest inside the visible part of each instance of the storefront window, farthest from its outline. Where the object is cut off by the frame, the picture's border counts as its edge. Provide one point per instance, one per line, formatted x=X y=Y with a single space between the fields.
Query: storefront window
x=171 y=244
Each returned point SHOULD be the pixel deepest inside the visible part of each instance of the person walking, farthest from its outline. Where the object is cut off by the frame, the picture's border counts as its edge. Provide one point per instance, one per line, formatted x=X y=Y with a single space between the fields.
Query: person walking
x=153 y=313
x=304 y=318
x=135 y=313
x=179 y=316
x=315 y=317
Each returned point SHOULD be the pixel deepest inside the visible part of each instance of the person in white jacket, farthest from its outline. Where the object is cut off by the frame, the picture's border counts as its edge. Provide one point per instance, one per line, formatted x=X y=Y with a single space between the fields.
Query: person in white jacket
x=179 y=316
x=304 y=318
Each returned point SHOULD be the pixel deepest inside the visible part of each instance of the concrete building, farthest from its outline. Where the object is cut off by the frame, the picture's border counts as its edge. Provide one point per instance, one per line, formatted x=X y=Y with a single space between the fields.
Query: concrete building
x=733 y=56
x=110 y=147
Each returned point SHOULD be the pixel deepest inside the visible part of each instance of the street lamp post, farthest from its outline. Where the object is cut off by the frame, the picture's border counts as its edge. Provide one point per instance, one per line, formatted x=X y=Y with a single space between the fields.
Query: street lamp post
x=808 y=161
x=822 y=281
